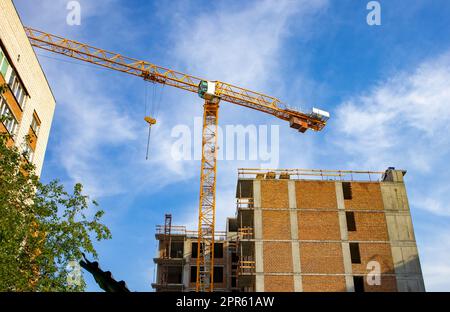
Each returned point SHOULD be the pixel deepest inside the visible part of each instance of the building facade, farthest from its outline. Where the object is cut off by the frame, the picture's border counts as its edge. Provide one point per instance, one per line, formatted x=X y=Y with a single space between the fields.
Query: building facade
x=28 y=104
x=313 y=230
x=176 y=259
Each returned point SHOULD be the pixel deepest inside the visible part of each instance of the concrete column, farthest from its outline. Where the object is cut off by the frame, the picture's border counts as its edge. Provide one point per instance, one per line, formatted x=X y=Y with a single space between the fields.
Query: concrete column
x=344 y=237
x=259 y=262
x=405 y=255
x=294 y=236
x=186 y=268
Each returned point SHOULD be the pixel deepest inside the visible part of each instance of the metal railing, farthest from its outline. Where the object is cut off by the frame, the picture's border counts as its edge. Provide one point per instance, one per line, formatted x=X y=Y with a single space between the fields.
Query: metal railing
x=245 y=233
x=181 y=230
x=339 y=175
x=246 y=266
x=244 y=203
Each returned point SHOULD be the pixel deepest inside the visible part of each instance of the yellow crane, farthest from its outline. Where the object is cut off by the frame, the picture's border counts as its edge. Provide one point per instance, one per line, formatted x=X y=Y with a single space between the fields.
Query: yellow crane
x=212 y=92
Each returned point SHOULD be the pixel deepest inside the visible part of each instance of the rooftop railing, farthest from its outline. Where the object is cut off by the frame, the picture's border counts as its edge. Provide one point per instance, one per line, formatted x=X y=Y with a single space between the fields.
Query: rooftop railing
x=311 y=174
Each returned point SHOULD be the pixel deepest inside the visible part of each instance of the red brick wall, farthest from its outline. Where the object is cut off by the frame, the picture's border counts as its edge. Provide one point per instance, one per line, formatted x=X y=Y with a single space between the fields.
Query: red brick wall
x=316 y=194
x=276 y=224
x=318 y=225
x=365 y=195
x=380 y=252
x=369 y=226
x=277 y=257
x=279 y=283
x=323 y=283
x=321 y=258
x=274 y=194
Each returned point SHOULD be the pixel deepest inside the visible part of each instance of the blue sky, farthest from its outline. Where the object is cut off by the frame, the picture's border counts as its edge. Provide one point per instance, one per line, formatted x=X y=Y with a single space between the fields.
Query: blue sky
x=386 y=88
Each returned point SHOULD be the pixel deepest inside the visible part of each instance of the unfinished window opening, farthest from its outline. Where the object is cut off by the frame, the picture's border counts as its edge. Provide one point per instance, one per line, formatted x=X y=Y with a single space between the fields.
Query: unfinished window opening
x=218 y=274
x=232 y=225
x=174 y=275
x=354 y=253
x=218 y=250
x=234 y=257
x=193 y=274
x=358 y=282
x=351 y=224
x=347 y=190
x=177 y=250
x=233 y=282
x=194 y=249
x=244 y=189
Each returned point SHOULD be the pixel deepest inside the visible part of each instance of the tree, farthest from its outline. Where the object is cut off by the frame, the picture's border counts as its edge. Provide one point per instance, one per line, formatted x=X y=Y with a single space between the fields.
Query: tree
x=43 y=228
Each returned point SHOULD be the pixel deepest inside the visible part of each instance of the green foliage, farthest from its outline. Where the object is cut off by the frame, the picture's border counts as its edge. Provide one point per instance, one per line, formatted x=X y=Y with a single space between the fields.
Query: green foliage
x=42 y=227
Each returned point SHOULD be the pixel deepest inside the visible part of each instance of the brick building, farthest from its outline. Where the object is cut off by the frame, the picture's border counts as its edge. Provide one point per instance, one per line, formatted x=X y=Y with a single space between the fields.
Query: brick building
x=312 y=230
x=28 y=101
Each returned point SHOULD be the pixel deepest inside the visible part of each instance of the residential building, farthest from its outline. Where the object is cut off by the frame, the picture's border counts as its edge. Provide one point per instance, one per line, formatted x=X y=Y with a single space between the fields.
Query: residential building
x=28 y=103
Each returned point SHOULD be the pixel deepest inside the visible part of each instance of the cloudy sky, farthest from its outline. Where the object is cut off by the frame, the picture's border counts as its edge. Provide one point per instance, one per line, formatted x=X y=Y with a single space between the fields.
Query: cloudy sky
x=386 y=87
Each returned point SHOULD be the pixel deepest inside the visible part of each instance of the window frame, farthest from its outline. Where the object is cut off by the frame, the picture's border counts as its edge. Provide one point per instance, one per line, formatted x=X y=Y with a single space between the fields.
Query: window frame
x=5 y=110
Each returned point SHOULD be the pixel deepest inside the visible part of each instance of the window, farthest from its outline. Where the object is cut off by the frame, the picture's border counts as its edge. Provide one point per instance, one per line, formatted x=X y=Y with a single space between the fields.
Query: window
x=347 y=190
x=177 y=250
x=174 y=275
x=358 y=282
x=194 y=250
x=354 y=253
x=218 y=250
x=35 y=124
x=17 y=89
x=233 y=281
x=10 y=122
x=28 y=153
x=3 y=63
x=351 y=224
x=218 y=274
x=193 y=274
x=13 y=80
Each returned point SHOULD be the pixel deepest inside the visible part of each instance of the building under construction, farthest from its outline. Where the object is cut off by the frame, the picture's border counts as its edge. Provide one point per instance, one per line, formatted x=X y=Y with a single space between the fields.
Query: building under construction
x=303 y=230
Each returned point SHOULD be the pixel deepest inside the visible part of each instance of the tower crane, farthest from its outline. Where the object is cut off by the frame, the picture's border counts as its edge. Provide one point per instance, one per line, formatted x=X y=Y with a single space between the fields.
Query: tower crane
x=212 y=92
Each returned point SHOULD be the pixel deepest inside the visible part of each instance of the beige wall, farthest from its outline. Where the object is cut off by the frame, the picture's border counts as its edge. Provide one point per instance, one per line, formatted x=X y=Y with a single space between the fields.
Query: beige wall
x=41 y=99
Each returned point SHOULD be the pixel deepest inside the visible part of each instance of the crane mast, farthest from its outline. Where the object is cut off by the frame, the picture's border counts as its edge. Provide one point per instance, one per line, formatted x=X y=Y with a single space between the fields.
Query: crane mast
x=212 y=92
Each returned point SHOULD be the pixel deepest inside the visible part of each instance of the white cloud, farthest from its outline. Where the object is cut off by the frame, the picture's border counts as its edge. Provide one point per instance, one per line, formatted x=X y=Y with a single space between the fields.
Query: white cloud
x=401 y=121
x=404 y=121
x=434 y=252
x=240 y=44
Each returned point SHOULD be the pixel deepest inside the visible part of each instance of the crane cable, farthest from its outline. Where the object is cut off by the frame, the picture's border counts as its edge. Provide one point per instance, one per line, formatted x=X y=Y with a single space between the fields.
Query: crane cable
x=154 y=109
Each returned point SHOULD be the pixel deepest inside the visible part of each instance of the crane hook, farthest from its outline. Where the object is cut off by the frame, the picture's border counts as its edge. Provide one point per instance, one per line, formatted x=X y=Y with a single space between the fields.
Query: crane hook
x=151 y=121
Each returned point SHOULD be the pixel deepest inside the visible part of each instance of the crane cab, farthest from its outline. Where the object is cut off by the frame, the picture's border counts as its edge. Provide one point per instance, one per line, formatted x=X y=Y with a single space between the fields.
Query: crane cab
x=207 y=90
